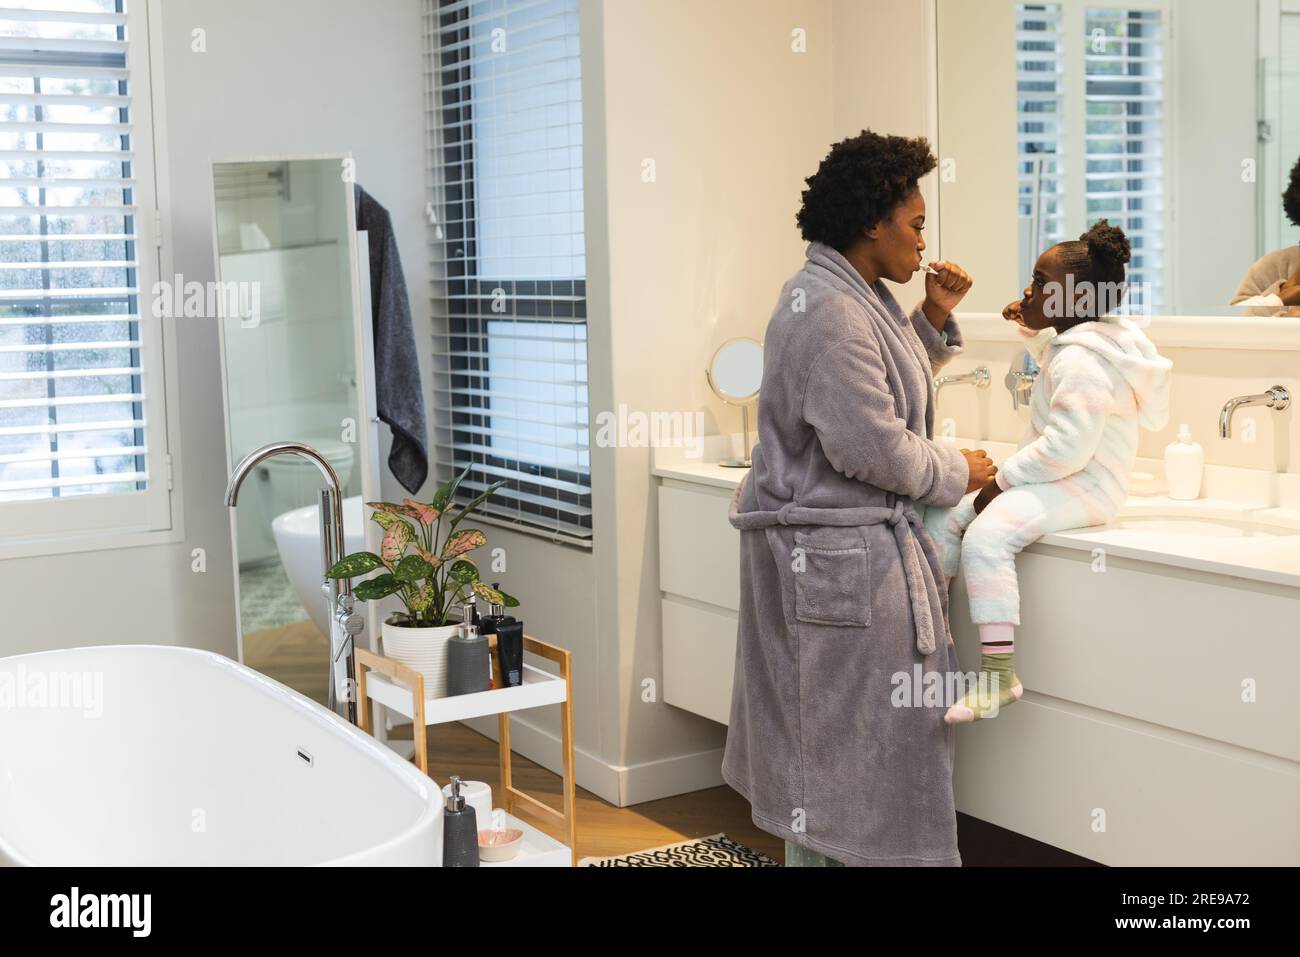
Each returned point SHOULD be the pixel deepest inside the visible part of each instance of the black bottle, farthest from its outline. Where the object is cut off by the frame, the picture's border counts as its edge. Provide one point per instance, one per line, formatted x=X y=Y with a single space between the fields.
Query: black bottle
x=510 y=643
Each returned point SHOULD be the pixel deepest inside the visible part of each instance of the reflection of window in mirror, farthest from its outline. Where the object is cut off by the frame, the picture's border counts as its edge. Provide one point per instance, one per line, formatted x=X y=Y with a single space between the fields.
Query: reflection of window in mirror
x=1100 y=155
x=1168 y=118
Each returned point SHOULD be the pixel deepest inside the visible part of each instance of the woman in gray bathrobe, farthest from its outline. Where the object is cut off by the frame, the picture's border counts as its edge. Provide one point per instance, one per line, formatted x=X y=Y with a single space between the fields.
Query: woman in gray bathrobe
x=840 y=612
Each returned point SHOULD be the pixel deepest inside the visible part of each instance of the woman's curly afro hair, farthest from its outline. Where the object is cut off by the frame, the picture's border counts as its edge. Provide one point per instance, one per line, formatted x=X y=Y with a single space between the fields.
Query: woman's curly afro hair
x=860 y=182
x=1291 y=198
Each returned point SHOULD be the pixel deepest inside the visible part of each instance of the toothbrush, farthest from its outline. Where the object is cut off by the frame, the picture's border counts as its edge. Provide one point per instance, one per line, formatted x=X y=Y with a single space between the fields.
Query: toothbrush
x=930 y=269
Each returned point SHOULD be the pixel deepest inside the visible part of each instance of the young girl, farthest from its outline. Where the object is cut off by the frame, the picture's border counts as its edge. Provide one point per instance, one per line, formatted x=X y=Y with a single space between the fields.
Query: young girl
x=1100 y=379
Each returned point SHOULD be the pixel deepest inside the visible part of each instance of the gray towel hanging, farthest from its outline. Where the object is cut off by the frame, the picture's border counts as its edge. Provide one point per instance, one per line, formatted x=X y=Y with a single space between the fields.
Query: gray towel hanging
x=398 y=391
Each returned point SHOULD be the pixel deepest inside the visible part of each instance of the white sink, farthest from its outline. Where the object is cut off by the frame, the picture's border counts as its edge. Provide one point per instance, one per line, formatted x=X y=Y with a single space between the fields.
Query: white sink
x=1200 y=526
x=1217 y=535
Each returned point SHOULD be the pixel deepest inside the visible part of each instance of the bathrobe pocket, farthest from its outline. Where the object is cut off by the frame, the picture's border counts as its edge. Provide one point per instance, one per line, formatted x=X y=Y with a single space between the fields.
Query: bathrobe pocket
x=832 y=577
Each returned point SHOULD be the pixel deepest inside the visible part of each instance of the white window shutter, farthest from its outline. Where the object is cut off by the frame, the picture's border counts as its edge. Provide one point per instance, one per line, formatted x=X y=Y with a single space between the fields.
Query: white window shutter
x=80 y=367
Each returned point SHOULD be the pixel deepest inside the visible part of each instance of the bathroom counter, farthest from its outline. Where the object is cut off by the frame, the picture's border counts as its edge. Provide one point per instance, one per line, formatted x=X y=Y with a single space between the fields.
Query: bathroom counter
x=703 y=473
x=1221 y=535
x=1218 y=536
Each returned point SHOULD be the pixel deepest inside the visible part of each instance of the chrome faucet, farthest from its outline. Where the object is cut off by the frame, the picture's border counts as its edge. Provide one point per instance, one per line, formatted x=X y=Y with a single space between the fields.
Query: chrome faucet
x=339 y=591
x=979 y=378
x=1021 y=381
x=1277 y=398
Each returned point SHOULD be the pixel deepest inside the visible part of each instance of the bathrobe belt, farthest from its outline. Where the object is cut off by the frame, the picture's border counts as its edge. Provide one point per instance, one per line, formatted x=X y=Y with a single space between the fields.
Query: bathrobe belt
x=901 y=517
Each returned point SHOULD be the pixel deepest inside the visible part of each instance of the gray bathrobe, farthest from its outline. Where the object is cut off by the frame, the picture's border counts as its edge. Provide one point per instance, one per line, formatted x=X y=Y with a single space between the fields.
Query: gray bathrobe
x=838 y=592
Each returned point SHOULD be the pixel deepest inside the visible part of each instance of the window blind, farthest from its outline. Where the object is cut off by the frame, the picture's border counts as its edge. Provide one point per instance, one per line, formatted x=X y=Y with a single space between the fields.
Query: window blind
x=1118 y=166
x=1125 y=135
x=509 y=267
x=1039 y=129
x=72 y=380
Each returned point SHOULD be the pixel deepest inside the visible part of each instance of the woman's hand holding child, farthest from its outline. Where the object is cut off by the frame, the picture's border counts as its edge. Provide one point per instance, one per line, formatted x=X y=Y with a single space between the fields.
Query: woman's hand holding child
x=981 y=469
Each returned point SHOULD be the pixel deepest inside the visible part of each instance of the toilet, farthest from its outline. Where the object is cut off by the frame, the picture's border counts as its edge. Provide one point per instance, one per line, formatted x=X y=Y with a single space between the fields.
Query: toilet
x=294 y=481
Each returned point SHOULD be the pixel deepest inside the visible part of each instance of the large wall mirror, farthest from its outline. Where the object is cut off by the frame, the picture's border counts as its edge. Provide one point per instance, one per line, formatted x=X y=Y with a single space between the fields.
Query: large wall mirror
x=1178 y=120
x=293 y=348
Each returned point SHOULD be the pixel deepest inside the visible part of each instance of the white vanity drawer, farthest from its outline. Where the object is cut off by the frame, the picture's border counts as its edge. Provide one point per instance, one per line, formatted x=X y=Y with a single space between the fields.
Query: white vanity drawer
x=699 y=551
x=1051 y=770
x=699 y=658
x=1166 y=645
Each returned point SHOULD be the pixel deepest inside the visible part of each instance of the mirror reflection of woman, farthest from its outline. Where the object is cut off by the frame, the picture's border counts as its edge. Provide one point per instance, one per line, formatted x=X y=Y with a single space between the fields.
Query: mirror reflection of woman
x=841 y=588
x=1277 y=273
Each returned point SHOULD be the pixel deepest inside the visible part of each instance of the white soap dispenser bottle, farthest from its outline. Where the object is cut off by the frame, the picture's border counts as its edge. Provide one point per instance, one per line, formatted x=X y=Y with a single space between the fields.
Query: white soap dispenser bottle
x=1184 y=465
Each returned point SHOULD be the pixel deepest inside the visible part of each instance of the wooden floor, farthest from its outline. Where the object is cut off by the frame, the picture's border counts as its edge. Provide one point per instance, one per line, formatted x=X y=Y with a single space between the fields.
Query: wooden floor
x=605 y=830
x=296 y=655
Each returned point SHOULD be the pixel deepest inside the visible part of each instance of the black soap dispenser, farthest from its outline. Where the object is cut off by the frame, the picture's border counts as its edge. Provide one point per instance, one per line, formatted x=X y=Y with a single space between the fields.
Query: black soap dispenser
x=459 y=830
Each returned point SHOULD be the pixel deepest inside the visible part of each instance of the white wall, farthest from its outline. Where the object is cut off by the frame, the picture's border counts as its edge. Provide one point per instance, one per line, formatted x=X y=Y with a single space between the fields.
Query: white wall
x=1214 y=129
x=981 y=230
x=884 y=80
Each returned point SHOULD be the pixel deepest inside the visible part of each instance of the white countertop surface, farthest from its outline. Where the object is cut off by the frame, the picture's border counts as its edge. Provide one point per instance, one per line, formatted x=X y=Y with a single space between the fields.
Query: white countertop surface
x=1244 y=536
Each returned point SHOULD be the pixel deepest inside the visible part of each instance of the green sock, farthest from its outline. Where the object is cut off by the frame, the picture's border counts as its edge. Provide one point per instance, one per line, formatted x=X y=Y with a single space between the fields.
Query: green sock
x=997 y=687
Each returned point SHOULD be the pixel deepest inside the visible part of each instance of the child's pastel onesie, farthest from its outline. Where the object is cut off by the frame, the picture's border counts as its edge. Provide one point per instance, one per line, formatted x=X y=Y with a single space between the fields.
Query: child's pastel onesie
x=1099 y=381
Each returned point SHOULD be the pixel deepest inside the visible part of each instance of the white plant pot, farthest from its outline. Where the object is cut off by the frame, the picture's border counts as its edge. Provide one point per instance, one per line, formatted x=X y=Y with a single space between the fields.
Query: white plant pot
x=424 y=650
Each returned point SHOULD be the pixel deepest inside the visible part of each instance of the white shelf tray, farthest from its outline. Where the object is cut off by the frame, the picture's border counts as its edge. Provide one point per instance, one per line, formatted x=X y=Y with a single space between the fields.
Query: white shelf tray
x=536 y=850
x=539 y=688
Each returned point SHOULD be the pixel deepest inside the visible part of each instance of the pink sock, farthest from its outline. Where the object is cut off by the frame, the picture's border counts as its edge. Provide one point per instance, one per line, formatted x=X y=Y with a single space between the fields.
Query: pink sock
x=998 y=638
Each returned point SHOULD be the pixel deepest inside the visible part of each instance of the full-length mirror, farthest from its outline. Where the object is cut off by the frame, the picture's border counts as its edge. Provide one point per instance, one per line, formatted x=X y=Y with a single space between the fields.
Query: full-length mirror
x=291 y=353
x=1178 y=122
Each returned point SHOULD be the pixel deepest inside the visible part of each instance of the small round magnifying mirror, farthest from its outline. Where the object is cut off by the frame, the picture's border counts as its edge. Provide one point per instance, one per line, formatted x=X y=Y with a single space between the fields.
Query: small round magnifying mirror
x=735 y=375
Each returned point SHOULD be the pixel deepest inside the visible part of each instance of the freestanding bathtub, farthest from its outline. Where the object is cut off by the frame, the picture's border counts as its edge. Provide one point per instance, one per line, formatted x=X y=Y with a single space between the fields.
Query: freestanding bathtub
x=297 y=537
x=141 y=754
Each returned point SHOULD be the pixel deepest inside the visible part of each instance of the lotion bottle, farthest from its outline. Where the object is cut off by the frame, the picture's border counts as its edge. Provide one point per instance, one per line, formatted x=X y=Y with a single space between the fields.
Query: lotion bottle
x=469 y=664
x=459 y=830
x=1184 y=466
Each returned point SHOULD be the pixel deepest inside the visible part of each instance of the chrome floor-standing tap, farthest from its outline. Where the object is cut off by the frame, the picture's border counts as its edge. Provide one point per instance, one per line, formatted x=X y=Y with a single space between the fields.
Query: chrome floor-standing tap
x=339 y=591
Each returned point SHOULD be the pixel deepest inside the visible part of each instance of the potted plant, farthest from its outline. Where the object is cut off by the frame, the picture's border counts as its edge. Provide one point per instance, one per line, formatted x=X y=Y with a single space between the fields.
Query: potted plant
x=425 y=560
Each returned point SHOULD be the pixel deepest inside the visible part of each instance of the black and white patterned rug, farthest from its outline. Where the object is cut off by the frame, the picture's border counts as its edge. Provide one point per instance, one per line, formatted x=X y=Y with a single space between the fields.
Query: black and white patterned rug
x=715 y=851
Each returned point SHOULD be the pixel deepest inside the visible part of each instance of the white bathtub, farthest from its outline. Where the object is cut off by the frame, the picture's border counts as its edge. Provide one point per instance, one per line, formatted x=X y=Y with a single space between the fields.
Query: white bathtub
x=172 y=756
x=297 y=537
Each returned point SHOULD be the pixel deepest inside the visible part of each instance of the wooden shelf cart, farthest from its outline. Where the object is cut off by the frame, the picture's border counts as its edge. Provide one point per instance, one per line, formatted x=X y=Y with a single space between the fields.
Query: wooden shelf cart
x=400 y=688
